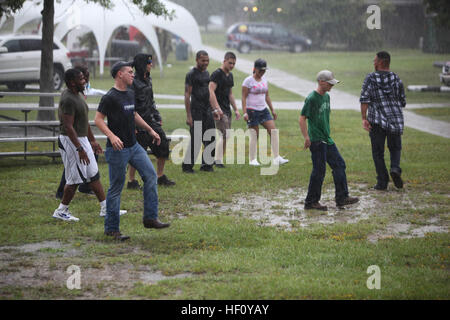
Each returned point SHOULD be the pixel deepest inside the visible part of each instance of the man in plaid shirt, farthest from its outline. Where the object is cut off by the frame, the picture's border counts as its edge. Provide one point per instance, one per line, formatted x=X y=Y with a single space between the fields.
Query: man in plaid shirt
x=382 y=99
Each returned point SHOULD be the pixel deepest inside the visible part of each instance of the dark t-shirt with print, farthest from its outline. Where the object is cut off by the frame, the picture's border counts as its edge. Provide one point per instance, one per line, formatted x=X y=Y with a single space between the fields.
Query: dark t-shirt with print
x=199 y=81
x=224 y=84
x=118 y=107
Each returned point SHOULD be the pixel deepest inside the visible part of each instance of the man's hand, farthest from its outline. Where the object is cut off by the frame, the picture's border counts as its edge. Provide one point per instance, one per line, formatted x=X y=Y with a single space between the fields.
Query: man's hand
x=246 y=116
x=117 y=144
x=366 y=125
x=189 y=121
x=217 y=114
x=84 y=159
x=96 y=147
x=238 y=115
x=307 y=143
x=156 y=137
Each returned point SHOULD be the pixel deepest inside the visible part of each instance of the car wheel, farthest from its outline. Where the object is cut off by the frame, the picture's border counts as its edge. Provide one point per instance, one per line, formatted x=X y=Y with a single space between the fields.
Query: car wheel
x=297 y=48
x=58 y=78
x=16 y=86
x=245 y=48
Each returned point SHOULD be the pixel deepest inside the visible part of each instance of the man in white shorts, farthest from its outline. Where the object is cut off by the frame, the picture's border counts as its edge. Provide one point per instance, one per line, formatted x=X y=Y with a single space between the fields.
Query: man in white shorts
x=77 y=145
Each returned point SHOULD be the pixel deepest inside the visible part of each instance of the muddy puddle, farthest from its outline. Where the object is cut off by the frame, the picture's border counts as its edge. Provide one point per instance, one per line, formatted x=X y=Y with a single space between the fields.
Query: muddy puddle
x=31 y=265
x=285 y=209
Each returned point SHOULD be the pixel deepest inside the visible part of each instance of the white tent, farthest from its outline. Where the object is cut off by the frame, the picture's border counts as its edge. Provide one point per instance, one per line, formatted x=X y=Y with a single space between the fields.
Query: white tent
x=102 y=22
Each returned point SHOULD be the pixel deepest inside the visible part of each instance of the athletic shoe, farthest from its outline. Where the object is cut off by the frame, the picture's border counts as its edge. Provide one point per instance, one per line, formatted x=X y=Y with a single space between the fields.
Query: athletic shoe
x=164 y=181
x=280 y=160
x=133 y=185
x=219 y=164
x=188 y=170
x=64 y=214
x=207 y=168
x=380 y=187
x=103 y=212
x=398 y=182
x=254 y=162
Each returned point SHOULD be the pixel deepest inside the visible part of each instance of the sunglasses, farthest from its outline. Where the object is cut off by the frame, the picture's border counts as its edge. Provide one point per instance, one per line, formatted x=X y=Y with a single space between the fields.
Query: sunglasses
x=149 y=61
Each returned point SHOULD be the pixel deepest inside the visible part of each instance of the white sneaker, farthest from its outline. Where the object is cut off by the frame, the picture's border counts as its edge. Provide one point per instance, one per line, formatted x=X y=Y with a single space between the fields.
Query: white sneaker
x=280 y=160
x=64 y=214
x=254 y=162
x=103 y=212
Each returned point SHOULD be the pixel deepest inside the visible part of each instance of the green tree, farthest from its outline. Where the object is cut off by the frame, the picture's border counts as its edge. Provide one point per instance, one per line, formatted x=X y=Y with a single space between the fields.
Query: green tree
x=441 y=8
x=46 y=74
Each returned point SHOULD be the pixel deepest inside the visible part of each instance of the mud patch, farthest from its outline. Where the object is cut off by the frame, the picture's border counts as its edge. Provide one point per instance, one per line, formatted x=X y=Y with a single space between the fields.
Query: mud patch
x=31 y=266
x=285 y=209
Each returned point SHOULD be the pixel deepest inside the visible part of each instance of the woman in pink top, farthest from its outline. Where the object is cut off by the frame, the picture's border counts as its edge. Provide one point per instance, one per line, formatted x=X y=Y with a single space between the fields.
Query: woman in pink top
x=255 y=95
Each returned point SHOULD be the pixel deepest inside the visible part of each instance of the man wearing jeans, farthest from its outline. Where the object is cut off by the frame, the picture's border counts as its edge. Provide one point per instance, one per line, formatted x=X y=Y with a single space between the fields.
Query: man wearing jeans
x=315 y=127
x=121 y=148
x=382 y=99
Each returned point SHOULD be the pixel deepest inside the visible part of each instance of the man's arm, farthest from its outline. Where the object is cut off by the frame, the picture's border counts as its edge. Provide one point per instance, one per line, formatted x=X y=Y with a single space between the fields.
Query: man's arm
x=216 y=110
x=187 y=104
x=304 y=129
x=233 y=104
x=141 y=123
x=366 y=125
x=72 y=134
x=117 y=144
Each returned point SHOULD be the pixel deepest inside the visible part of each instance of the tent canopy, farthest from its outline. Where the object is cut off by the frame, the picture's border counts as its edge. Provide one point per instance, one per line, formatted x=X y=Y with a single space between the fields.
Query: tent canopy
x=102 y=22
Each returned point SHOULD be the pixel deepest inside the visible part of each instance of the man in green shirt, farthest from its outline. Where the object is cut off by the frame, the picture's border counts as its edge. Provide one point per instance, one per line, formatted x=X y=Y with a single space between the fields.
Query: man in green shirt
x=315 y=127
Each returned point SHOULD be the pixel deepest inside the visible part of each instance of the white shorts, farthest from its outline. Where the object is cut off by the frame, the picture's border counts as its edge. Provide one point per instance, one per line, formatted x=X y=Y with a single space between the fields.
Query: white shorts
x=75 y=171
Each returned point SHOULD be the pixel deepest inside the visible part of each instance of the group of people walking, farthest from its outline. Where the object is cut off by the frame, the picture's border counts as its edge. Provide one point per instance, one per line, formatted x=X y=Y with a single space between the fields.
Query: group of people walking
x=135 y=124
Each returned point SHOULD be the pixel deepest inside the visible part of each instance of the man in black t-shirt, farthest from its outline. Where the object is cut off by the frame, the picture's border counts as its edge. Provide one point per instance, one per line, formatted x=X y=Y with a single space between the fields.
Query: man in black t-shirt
x=199 y=116
x=121 y=148
x=221 y=96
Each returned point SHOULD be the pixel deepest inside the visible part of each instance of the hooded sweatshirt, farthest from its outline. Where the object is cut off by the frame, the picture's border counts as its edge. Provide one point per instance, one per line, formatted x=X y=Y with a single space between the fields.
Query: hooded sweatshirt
x=383 y=91
x=143 y=91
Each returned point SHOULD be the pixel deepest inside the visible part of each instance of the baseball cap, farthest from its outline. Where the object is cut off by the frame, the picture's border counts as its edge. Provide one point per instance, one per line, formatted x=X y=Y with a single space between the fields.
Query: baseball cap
x=119 y=65
x=260 y=64
x=328 y=76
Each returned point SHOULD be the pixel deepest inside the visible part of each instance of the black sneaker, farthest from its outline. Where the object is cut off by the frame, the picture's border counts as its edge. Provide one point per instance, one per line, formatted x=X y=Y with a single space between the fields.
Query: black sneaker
x=116 y=235
x=187 y=169
x=398 y=182
x=133 y=185
x=164 y=181
x=380 y=187
x=347 y=201
x=315 y=206
x=219 y=165
x=207 y=168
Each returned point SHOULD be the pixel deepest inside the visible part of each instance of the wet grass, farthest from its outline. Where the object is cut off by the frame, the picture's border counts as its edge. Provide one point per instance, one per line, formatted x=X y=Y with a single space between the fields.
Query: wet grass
x=227 y=254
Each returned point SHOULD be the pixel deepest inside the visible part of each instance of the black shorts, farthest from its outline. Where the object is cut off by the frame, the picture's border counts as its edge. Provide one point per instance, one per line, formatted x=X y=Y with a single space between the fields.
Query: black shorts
x=146 y=141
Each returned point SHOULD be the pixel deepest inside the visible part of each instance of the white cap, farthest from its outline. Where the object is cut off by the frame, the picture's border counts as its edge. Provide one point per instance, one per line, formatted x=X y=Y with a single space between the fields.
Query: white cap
x=328 y=76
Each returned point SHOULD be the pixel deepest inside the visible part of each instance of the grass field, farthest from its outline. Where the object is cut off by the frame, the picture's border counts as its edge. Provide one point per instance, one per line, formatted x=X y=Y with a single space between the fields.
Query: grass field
x=226 y=240
x=413 y=66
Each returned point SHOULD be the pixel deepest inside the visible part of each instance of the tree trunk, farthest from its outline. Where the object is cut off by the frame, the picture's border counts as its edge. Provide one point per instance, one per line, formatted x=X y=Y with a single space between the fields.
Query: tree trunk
x=46 y=75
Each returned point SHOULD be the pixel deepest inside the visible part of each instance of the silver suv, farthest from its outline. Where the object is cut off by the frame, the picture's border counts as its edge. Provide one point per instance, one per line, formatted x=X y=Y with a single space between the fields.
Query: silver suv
x=20 y=61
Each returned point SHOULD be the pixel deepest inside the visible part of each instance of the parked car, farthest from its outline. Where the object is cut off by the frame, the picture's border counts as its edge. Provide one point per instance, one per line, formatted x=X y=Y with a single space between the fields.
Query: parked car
x=246 y=36
x=20 y=61
x=444 y=77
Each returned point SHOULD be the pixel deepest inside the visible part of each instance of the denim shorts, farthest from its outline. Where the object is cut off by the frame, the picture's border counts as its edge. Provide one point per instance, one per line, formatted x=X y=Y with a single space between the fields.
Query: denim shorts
x=256 y=117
